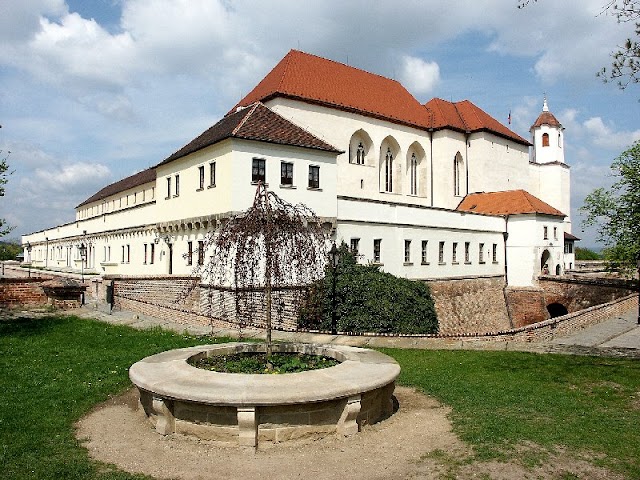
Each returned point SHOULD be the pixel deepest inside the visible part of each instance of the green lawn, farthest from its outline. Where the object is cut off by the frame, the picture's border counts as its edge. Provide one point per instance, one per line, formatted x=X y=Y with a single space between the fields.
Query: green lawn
x=55 y=369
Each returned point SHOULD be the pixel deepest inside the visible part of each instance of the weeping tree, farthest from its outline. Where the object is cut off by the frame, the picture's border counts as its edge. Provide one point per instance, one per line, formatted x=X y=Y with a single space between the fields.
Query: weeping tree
x=271 y=247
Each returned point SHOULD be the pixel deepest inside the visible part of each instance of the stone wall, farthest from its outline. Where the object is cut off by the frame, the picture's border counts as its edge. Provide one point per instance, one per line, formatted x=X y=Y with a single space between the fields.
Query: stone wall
x=18 y=292
x=526 y=305
x=470 y=305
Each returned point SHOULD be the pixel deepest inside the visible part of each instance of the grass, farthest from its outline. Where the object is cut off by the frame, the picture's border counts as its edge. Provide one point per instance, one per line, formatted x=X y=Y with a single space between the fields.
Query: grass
x=256 y=363
x=55 y=369
x=503 y=400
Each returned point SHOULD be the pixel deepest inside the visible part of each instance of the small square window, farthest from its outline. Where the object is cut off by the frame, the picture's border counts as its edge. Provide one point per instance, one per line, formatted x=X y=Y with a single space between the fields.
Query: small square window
x=201 y=177
x=354 y=246
x=377 y=245
x=258 y=170
x=314 y=176
x=407 y=251
x=286 y=173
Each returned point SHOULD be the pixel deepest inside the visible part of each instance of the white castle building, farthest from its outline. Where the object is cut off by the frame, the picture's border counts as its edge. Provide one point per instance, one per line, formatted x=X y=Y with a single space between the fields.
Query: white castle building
x=434 y=191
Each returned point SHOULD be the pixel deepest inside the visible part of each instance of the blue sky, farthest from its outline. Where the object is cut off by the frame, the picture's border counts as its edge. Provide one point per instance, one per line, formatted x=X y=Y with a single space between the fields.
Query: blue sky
x=93 y=91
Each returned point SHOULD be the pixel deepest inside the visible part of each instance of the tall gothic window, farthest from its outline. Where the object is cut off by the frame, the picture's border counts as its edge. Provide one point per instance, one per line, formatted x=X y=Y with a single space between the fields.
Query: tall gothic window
x=413 y=174
x=360 y=154
x=388 y=171
x=457 y=167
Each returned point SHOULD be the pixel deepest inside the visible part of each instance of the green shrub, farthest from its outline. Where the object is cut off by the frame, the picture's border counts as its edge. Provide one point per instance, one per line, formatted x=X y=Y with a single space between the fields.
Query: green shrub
x=368 y=300
x=586 y=254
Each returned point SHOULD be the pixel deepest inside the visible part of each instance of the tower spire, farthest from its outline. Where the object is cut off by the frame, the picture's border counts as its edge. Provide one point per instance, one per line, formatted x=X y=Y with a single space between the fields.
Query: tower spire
x=545 y=107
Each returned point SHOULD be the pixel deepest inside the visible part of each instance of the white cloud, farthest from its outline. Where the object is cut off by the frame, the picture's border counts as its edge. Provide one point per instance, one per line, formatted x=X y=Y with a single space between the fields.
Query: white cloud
x=419 y=76
x=604 y=135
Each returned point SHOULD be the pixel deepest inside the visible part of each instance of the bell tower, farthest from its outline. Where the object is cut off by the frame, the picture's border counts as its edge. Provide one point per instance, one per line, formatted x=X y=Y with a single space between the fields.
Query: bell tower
x=547 y=137
x=550 y=175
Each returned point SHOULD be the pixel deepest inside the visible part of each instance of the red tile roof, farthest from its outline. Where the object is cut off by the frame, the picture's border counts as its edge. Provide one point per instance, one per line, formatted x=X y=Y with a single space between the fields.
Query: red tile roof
x=464 y=116
x=546 y=118
x=140 y=178
x=569 y=236
x=509 y=202
x=313 y=79
x=255 y=122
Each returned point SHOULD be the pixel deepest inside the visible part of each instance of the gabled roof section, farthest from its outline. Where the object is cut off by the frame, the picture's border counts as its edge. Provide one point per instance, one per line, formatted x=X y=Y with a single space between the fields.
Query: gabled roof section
x=510 y=202
x=313 y=79
x=255 y=122
x=464 y=116
x=570 y=237
x=140 y=178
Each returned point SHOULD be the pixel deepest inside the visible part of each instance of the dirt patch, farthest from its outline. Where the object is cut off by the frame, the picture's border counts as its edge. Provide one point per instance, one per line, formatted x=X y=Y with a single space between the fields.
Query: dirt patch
x=416 y=442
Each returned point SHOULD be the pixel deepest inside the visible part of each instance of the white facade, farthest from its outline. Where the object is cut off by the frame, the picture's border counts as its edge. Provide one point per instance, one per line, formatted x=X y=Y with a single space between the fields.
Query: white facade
x=390 y=189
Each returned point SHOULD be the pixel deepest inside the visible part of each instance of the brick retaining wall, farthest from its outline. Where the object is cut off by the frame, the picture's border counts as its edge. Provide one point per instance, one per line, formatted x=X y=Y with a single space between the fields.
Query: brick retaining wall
x=470 y=305
x=17 y=292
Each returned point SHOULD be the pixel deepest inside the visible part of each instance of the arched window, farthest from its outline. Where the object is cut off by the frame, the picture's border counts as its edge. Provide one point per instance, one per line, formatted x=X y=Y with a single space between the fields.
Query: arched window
x=545 y=139
x=457 y=168
x=413 y=174
x=360 y=154
x=388 y=171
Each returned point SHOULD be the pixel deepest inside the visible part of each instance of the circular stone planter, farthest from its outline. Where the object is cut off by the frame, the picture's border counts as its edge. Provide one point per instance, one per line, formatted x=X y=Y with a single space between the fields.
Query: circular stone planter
x=180 y=398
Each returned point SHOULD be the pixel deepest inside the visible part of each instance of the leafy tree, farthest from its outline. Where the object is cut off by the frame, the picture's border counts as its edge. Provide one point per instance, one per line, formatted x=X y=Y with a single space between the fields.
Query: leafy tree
x=9 y=250
x=587 y=254
x=4 y=167
x=616 y=212
x=368 y=300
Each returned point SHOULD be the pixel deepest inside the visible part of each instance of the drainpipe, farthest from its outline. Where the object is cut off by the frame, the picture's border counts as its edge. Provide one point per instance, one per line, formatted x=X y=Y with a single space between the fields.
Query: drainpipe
x=505 y=236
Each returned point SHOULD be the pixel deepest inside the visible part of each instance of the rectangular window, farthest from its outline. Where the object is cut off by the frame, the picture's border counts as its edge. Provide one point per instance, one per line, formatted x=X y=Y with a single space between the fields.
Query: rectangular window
x=145 y=254
x=201 y=177
x=212 y=174
x=153 y=251
x=122 y=254
x=441 y=253
x=494 y=253
x=555 y=233
x=425 y=244
x=407 y=251
x=200 y=252
x=286 y=173
x=314 y=176
x=467 y=252
x=545 y=232
x=128 y=253
x=177 y=186
x=108 y=253
x=377 y=244
x=258 y=170
x=454 y=252
x=190 y=252
x=168 y=187
x=104 y=254
x=568 y=247
x=354 y=246
x=481 y=252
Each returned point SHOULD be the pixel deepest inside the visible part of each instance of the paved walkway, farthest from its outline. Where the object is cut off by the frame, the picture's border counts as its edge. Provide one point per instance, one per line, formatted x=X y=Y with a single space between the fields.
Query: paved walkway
x=618 y=336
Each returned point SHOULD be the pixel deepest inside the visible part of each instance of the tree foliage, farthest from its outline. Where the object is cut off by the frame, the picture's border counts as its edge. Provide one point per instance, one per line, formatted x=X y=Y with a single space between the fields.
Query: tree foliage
x=587 y=254
x=368 y=300
x=9 y=250
x=616 y=212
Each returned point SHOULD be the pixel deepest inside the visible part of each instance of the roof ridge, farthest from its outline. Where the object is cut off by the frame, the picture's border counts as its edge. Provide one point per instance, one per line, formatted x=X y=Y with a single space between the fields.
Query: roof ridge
x=245 y=118
x=466 y=125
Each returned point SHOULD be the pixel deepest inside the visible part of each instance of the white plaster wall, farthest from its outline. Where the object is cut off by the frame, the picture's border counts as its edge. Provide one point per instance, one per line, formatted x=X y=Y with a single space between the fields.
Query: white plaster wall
x=526 y=244
x=394 y=224
x=552 y=184
x=554 y=152
x=497 y=164
x=136 y=196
